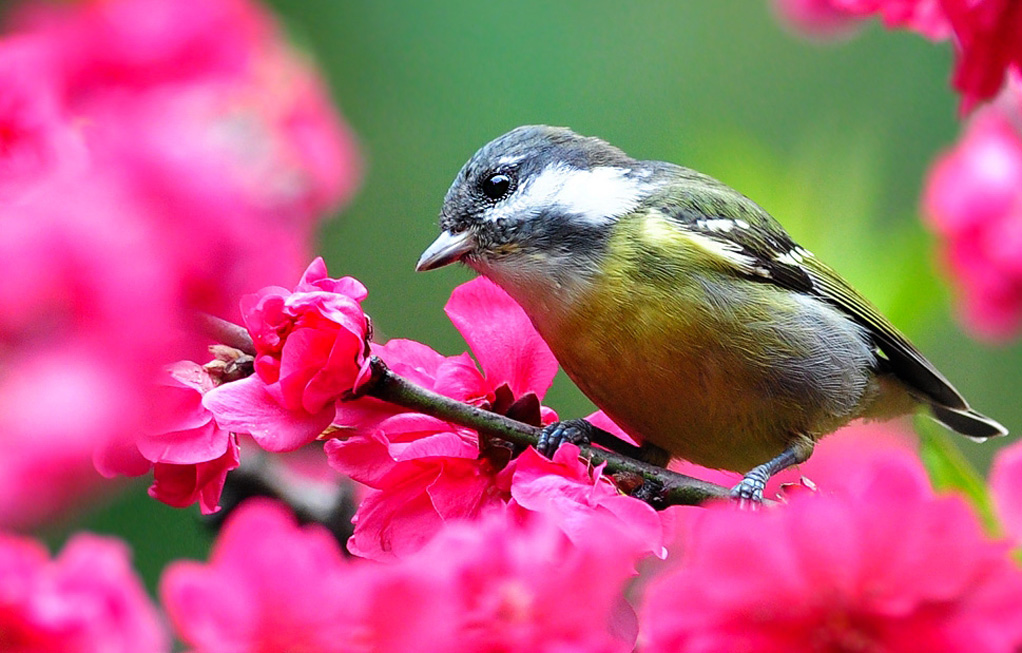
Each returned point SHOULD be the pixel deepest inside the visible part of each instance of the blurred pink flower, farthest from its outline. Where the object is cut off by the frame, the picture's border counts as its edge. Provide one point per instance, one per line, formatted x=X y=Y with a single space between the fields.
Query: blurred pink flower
x=821 y=19
x=494 y=585
x=311 y=349
x=46 y=464
x=923 y=16
x=149 y=150
x=143 y=43
x=836 y=18
x=524 y=586
x=885 y=566
x=74 y=364
x=973 y=200
x=37 y=141
x=1006 y=490
x=87 y=599
x=269 y=586
x=988 y=45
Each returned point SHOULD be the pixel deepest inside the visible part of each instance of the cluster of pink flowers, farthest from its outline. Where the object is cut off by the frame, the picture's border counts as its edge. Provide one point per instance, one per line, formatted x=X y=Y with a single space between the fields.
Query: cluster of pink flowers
x=987 y=34
x=495 y=585
x=876 y=562
x=149 y=149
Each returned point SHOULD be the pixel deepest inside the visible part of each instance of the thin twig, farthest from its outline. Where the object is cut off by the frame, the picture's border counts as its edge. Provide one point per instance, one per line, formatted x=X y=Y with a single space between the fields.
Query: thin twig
x=227 y=333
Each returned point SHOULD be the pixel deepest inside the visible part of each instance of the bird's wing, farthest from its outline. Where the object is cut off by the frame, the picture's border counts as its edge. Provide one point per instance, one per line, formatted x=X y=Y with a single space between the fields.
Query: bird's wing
x=904 y=359
x=755 y=246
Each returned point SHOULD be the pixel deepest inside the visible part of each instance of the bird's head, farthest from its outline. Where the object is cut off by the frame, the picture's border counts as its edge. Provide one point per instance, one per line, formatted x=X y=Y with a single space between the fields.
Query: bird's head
x=538 y=201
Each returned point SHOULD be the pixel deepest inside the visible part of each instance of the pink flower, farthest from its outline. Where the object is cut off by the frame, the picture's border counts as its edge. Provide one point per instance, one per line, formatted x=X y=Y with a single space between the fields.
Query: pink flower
x=188 y=452
x=87 y=599
x=1006 y=490
x=311 y=349
x=46 y=459
x=527 y=587
x=886 y=567
x=988 y=40
x=494 y=585
x=574 y=495
x=269 y=586
x=417 y=485
x=973 y=200
x=36 y=138
x=420 y=485
x=837 y=18
x=926 y=17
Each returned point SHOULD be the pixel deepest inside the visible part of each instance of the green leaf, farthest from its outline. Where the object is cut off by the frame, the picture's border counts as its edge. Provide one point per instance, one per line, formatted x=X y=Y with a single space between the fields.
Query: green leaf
x=950 y=471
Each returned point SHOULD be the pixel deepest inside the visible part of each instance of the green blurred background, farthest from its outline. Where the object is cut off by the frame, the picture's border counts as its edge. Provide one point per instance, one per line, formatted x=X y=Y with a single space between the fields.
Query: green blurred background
x=834 y=139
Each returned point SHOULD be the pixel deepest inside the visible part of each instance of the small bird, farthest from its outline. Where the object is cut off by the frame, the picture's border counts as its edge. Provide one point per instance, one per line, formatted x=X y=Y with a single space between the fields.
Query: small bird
x=680 y=307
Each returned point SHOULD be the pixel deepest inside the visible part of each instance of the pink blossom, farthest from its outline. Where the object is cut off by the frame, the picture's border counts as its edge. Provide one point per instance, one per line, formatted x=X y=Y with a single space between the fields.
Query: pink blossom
x=269 y=586
x=87 y=599
x=181 y=485
x=973 y=200
x=311 y=349
x=37 y=140
x=494 y=585
x=926 y=17
x=417 y=484
x=143 y=43
x=573 y=494
x=187 y=450
x=527 y=587
x=887 y=566
x=837 y=18
x=988 y=44
x=1006 y=490
x=46 y=459
x=423 y=483
x=182 y=430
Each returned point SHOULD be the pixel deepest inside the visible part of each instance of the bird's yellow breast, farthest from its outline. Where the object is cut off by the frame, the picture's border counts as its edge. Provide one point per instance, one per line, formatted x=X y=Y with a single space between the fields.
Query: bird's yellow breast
x=709 y=368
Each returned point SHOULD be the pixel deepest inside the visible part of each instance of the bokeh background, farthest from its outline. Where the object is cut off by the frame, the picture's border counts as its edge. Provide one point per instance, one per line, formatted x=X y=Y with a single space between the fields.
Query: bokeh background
x=833 y=139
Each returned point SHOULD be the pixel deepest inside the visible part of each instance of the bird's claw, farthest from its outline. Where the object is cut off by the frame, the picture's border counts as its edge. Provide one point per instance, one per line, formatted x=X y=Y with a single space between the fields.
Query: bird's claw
x=749 y=492
x=575 y=431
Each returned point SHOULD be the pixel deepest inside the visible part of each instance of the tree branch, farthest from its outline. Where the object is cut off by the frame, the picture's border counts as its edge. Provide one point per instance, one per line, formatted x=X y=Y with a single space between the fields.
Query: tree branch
x=662 y=487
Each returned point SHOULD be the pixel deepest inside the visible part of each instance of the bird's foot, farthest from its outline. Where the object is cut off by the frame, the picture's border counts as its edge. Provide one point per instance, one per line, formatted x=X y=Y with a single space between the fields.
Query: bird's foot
x=575 y=431
x=749 y=492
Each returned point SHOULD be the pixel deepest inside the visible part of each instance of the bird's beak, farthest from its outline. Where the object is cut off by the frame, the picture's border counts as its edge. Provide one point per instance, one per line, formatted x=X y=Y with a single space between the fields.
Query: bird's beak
x=446 y=249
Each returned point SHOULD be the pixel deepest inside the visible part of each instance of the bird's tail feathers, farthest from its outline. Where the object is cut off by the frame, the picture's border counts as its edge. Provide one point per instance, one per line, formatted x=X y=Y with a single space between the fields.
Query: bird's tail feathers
x=968 y=422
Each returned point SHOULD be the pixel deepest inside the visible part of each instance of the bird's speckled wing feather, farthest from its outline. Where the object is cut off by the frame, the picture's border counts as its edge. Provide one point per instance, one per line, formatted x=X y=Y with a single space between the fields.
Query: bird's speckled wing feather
x=763 y=251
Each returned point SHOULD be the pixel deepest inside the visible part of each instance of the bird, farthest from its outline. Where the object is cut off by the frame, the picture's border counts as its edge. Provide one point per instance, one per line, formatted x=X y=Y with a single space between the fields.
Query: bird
x=681 y=308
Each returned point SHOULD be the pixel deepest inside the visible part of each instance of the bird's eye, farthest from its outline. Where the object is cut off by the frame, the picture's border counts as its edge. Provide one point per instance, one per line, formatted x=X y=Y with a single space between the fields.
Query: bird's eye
x=497 y=185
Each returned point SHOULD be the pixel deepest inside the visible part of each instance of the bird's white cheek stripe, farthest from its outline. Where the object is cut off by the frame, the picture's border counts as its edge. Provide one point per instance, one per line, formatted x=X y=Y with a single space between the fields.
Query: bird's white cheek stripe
x=595 y=196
